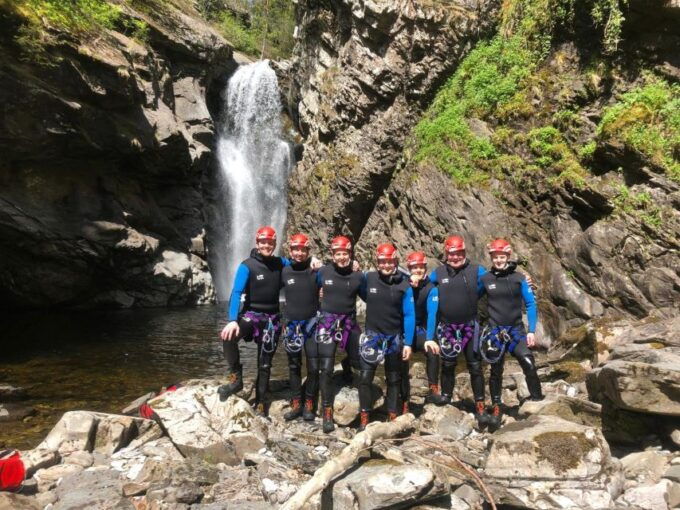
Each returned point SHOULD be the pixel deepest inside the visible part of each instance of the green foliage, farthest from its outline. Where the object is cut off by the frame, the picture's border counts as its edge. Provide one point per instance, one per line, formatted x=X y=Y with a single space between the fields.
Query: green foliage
x=647 y=119
x=639 y=204
x=77 y=16
x=609 y=14
x=267 y=32
x=554 y=154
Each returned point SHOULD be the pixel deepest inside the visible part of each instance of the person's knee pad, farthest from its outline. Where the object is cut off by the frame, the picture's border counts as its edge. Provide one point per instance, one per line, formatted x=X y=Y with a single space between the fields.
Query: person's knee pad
x=326 y=365
x=313 y=364
x=527 y=362
x=366 y=376
x=449 y=366
x=294 y=363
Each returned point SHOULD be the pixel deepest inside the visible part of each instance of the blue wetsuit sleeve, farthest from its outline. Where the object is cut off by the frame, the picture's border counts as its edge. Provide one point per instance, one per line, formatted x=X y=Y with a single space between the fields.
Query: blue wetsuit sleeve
x=530 y=303
x=240 y=281
x=319 y=280
x=409 y=310
x=480 y=284
x=432 y=309
x=363 y=287
x=433 y=277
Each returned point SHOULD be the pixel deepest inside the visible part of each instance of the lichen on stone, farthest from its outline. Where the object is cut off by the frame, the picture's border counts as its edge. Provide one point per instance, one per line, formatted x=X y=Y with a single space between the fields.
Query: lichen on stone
x=563 y=450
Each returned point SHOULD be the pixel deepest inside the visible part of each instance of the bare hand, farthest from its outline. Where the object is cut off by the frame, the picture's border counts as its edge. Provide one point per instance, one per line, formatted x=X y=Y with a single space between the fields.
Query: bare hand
x=531 y=340
x=316 y=264
x=355 y=266
x=432 y=346
x=414 y=280
x=230 y=331
x=406 y=353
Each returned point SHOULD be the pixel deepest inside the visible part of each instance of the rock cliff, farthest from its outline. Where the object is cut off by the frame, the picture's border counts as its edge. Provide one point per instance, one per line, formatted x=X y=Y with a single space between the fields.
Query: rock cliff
x=106 y=136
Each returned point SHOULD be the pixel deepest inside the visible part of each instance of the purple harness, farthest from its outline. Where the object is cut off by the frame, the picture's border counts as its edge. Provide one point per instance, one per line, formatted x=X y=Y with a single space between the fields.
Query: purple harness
x=453 y=338
x=266 y=327
x=335 y=327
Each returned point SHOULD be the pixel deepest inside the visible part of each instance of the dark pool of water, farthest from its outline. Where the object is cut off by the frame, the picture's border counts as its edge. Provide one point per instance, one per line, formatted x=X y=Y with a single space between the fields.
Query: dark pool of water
x=101 y=361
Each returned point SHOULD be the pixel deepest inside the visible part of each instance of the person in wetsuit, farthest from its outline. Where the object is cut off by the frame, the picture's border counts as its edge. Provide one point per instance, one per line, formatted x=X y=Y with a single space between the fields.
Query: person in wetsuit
x=299 y=282
x=389 y=331
x=507 y=291
x=336 y=326
x=426 y=297
x=259 y=278
x=459 y=286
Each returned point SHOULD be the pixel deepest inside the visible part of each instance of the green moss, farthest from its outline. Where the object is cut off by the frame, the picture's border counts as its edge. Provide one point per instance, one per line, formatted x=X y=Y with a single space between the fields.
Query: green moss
x=336 y=165
x=647 y=120
x=640 y=205
x=554 y=154
x=570 y=371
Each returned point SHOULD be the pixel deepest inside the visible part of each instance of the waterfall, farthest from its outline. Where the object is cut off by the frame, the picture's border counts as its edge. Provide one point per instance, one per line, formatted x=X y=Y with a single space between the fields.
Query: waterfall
x=254 y=163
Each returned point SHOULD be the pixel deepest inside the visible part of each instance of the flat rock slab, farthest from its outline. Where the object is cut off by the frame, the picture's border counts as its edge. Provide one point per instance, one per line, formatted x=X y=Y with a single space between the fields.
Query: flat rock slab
x=97 y=489
x=571 y=409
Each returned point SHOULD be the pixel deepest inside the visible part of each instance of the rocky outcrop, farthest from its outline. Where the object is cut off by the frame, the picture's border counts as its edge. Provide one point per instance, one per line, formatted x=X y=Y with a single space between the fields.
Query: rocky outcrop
x=363 y=71
x=105 y=141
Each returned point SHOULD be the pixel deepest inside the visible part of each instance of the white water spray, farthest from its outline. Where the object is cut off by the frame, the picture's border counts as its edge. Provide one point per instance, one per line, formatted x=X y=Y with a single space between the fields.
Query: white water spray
x=254 y=164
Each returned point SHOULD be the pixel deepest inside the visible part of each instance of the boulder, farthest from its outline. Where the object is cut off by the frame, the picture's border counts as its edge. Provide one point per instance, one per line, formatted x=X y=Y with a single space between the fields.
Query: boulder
x=346 y=404
x=640 y=379
x=15 y=411
x=18 y=502
x=202 y=426
x=571 y=409
x=50 y=477
x=39 y=458
x=546 y=462
x=663 y=495
x=645 y=467
x=446 y=421
x=99 y=489
x=384 y=484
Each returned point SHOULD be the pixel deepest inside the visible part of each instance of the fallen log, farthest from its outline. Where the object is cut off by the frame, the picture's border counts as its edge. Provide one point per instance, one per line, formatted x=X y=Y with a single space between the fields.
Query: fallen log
x=347 y=457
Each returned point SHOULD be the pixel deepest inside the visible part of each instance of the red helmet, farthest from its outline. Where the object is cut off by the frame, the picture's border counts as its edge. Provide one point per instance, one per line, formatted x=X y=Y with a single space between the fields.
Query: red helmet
x=386 y=251
x=341 y=243
x=499 y=246
x=300 y=240
x=454 y=243
x=265 y=233
x=415 y=259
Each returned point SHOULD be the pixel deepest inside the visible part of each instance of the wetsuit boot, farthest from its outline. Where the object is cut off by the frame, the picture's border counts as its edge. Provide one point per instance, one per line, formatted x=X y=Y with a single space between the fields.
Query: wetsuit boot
x=391 y=416
x=233 y=386
x=434 y=396
x=328 y=425
x=308 y=413
x=495 y=417
x=528 y=364
x=480 y=414
x=295 y=409
x=363 y=421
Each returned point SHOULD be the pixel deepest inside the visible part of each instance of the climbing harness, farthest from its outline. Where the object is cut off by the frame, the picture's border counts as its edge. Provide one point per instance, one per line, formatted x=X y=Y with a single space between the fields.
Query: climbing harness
x=375 y=347
x=296 y=333
x=499 y=340
x=334 y=327
x=453 y=338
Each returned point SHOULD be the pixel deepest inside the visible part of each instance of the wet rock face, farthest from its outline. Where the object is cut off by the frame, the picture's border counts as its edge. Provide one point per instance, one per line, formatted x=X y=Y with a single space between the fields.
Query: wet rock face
x=362 y=72
x=103 y=155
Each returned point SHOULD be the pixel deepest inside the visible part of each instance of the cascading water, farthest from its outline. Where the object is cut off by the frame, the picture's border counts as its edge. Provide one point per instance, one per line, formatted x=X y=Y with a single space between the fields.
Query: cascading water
x=254 y=163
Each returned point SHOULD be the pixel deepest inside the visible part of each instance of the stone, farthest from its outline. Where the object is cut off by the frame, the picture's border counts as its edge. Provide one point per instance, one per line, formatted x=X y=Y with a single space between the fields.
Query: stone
x=133 y=407
x=39 y=458
x=673 y=473
x=185 y=492
x=202 y=426
x=346 y=404
x=9 y=393
x=471 y=496
x=49 y=478
x=569 y=408
x=645 y=467
x=99 y=489
x=548 y=458
x=646 y=381
x=75 y=431
x=458 y=503
x=18 y=502
x=446 y=421
x=15 y=411
x=382 y=484
x=675 y=436
x=659 y=496
x=80 y=458
x=116 y=431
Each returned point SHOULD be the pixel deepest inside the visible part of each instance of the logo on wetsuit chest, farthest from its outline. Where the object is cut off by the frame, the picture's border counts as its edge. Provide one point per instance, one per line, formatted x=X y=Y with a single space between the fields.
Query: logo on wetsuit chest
x=260 y=277
x=291 y=281
x=492 y=286
x=373 y=290
x=328 y=282
x=445 y=280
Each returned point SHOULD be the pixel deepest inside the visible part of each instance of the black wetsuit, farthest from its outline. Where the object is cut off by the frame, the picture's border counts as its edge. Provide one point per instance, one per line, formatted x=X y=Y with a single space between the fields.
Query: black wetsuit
x=259 y=278
x=302 y=303
x=459 y=291
x=425 y=292
x=390 y=313
x=340 y=287
x=507 y=292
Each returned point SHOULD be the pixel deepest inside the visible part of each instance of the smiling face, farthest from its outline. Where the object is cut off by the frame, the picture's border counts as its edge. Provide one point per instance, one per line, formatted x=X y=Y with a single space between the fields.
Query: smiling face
x=265 y=247
x=342 y=258
x=418 y=270
x=499 y=260
x=387 y=266
x=456 y=259
x=299 y=253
